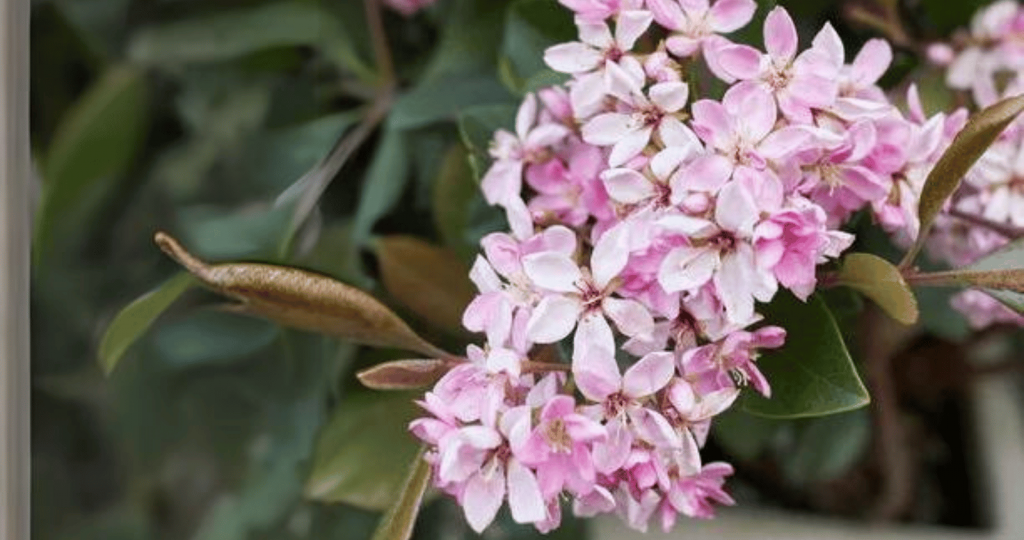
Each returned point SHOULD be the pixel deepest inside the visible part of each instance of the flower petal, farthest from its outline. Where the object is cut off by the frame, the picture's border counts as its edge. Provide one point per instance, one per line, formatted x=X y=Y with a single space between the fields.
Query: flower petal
x=552 y=270
x=524 y=497
x=553 y=319
x=649 y=375
x=482 y=499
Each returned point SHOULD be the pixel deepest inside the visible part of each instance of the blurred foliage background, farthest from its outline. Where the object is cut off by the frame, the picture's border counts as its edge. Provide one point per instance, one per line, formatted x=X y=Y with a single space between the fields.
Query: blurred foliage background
x=224 y=122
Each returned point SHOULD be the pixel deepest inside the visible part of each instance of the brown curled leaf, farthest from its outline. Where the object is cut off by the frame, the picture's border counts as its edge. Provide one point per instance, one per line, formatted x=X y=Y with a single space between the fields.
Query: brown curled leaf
x=403 y=374
x=304 y=300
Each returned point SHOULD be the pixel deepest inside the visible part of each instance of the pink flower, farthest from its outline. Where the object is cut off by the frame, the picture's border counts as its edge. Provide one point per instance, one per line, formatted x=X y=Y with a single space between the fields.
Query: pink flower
x=695 y=25
x=983 y=311
x=692 y=495
x=629 y=131
x=798 y=83
x=559 y=449
x=720 y=252
x=599 y=10
x=730 y=363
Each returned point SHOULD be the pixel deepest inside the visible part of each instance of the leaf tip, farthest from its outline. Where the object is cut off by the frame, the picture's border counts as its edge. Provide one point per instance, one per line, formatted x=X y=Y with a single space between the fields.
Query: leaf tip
x=174 y=250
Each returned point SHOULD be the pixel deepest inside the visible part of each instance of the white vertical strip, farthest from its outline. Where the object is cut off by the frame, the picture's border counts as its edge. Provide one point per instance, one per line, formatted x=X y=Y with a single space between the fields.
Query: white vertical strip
x=14 y=271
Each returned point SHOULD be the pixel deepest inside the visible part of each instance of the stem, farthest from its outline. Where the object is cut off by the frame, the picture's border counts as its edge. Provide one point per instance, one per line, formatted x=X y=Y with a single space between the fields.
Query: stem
x=950 y=278
x=530 y=366
x=974 y=219
x=379 y=40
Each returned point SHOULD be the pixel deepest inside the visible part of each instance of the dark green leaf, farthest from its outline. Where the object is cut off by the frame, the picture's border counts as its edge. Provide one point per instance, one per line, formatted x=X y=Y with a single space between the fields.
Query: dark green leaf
x=828 y=447
x=137 y=317
x=470 y=41
x=812 y=374
x=349 y=464
x=882 y=282
x=94 y=144
x=477 y=126
x=532 y=26
x=210 y=336
x=235 y=33
x=384 y=184
x=454 y=188
x=744 y=436
x=442 y=99
x=220 y=234
x=398 y=522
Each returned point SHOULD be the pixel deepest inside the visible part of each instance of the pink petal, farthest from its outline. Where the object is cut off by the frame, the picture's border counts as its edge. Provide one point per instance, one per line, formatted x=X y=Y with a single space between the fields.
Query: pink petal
x=871 y=62
x=629 y=26
x=593 y=363
x=572 y=57
x=736 y=210
x=711 y=122
x=670 y=96
x=611 y=254
x=526 y=115
x=830 y=45
x=595 y=33
x=686 y=268
x=682 y=397
x=627 y=186
x=629 y=145
x=553 y=319
x=728 y=16
x=552 y=270
x=524 y=497
x=649 y=375
x=607 y=129
x=783 y=142
x=630 y=317
x=611 y=454
x=780 y=39
x=706 y=173
x=756 y=111
x=482 y=499
x=667 y=13
x=740 y=61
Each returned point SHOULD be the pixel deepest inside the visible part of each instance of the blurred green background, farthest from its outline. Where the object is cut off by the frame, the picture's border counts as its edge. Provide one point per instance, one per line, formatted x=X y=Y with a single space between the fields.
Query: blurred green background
x=200 y=118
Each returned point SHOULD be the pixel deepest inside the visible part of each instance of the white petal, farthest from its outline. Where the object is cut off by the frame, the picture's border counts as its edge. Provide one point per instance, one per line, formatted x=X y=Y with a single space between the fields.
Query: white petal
x=686 y=268
x=553 y=319
x=482 y=499
x=552 y=270
x=572 y=57
x=524 y=497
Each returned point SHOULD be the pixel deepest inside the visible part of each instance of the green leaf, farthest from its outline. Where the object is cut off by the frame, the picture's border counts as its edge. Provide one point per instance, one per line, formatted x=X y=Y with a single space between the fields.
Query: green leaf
x=220 y=234
x=442 y=99
x=812 y=374
x=235 y=33
x=398 y=523
x=206 y=337
x=828 y=447
x=973 y=140
x=882 y=282
x=1011 y=299
x=470 y=41
x=95 y=143
x=384 y=184
x=744 y=436
x=477 y=126
x=453 y=190
x=137 y=317
x=532 y=26
x=362 y=453
x=1007 y=258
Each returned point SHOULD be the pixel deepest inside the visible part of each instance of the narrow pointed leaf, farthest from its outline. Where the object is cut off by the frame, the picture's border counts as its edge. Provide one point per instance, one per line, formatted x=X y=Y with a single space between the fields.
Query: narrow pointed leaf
x=1001 y=274
x=133 y=321
x=812 y=374
x=398 y=523
x=882 y=282
x=403 y=374
x=973 y=140
x=304 y=300
x=428 y=279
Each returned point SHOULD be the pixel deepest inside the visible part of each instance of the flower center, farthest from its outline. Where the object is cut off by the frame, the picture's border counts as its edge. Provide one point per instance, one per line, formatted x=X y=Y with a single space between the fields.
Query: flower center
x=615 y=404
x=725 y=241
x=779 y=77
x=557 y=436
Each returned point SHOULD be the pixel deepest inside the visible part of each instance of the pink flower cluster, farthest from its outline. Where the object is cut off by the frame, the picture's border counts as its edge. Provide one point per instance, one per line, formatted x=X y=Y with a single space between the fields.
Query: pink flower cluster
x=987 y=61
x=648 y=218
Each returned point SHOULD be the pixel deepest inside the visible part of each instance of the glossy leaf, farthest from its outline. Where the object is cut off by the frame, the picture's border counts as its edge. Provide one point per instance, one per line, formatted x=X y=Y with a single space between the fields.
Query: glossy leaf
x=398 y=522
x=361 y=453
x=303 y=300
x=428 y=279
x=133 y=321
x=403 y=374
x=812 y=374
x=973 y=140
x=95 y=142
x=882 y=282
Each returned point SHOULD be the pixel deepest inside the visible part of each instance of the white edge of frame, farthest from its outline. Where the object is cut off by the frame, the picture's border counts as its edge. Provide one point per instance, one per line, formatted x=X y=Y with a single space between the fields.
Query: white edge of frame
x=14 y=274
x=999 y=426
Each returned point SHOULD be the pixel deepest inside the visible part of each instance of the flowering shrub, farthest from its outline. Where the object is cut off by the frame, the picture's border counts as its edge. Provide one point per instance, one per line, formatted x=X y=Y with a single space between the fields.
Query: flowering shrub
x=672 y=208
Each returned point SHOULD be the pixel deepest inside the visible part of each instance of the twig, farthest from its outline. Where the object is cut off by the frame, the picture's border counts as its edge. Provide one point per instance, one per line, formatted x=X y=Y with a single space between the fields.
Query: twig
x=881 y=340
x=379 y=40
x=1001 y=228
